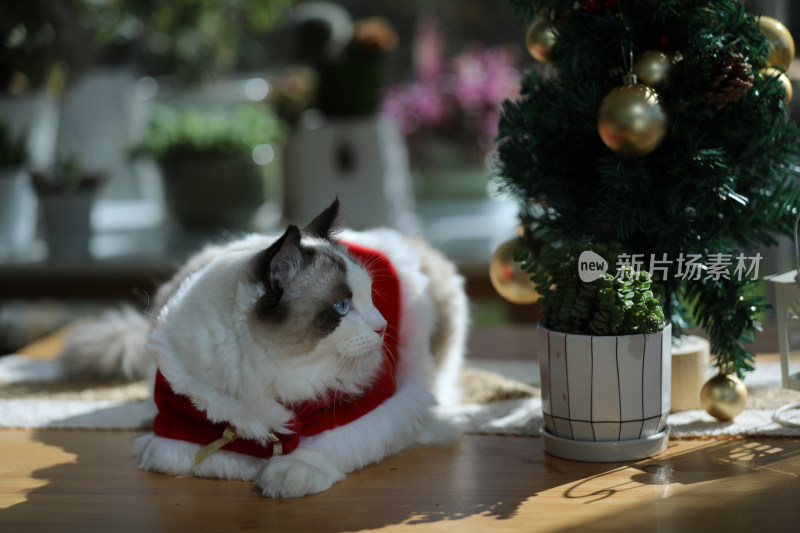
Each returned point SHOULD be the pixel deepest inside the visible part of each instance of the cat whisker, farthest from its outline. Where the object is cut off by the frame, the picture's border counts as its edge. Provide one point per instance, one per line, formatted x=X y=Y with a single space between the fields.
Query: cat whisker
x=391 y=336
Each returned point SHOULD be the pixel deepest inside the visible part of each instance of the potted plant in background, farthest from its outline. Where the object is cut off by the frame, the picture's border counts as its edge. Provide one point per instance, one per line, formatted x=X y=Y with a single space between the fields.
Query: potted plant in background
x=342 y=146
x=604 y=355
x=66 y=193
x=449 y=113
x=211 y=162
x=17 y=200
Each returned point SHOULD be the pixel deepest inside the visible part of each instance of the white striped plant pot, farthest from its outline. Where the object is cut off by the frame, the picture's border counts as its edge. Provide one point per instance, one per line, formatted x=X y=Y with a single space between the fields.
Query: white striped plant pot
x=605 y=398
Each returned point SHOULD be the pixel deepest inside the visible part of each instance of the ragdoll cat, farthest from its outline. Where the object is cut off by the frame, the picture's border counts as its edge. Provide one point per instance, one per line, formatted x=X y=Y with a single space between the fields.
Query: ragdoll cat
x=291 y=361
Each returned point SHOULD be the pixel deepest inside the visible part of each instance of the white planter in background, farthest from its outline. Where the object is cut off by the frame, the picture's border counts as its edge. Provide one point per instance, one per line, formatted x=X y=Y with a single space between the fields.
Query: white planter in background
x=18 y=212
x=101 y=119
x=35 y=115
x=605 y=398
x=67 y=223
x=363 y=161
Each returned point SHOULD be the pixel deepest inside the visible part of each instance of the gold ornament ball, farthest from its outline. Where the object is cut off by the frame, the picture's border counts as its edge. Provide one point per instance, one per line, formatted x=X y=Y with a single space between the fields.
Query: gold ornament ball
x=508 y=279
x=631 y=120
x=770 y=72
x=653 y=68
x=540 y=38
x=723 y=397
x=781 y=44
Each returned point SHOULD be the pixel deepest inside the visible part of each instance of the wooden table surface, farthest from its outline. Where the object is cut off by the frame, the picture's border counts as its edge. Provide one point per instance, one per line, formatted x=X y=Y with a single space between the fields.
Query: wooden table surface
x=87 y=481
x=74 y=480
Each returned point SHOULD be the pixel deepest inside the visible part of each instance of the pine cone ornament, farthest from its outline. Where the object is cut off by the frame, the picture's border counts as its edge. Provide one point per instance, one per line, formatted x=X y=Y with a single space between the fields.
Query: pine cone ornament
x=731 y=78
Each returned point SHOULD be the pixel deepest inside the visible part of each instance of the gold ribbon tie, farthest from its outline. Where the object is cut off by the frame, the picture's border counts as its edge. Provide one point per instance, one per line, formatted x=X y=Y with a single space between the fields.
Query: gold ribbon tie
x=277 y=445
x=228 y=436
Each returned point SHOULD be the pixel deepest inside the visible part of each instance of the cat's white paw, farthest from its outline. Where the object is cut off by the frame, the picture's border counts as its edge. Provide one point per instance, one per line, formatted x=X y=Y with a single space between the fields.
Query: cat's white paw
x=292 y=476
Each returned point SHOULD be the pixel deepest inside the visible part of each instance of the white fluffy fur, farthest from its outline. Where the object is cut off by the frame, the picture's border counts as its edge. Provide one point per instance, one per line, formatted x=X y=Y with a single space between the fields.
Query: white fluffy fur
x=111 y=348
x=207 y=350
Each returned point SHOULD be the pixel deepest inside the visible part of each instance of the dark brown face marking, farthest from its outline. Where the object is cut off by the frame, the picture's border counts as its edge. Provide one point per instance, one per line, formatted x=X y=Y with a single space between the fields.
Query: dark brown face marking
x=301 y=283
x=327 y=318
x=330 y=271
x=337 y=263
x=274 y=269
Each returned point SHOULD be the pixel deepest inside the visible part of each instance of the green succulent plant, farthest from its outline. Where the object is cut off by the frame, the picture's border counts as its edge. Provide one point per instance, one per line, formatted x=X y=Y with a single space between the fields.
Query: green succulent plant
x=174 y=133
x=621 y=304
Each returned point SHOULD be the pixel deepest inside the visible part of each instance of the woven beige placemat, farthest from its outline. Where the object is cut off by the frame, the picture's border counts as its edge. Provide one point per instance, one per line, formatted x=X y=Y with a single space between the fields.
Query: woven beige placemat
x=90 y=391
x=491 y=403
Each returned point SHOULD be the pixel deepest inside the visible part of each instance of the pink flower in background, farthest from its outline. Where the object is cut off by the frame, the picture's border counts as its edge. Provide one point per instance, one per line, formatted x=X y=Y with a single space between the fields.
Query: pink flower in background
x=485 y=77
x=415 y=106
x=458 y=100
x=428 y=51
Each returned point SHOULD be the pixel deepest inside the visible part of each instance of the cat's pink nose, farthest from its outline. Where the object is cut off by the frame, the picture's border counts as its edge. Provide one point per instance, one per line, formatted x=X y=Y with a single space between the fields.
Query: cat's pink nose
x=379 y=326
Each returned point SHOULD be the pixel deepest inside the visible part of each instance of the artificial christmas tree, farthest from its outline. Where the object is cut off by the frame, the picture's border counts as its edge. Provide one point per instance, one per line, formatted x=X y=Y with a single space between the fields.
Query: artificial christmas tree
x=689 y=172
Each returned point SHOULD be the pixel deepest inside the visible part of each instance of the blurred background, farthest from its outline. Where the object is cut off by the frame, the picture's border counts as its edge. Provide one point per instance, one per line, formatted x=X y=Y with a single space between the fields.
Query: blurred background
x=132 y=132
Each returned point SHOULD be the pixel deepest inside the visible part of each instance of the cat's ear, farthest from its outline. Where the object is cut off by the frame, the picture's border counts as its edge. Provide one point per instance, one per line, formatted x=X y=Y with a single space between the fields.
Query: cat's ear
x=276 y=266
x=324 y=225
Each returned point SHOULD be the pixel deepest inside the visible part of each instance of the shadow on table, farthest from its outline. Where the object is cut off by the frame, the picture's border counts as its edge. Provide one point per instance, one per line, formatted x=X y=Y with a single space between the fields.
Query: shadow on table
x=725 y=485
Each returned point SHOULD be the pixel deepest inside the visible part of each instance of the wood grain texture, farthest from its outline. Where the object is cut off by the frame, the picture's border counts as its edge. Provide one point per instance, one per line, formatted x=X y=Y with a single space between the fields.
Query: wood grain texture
x=87 y=480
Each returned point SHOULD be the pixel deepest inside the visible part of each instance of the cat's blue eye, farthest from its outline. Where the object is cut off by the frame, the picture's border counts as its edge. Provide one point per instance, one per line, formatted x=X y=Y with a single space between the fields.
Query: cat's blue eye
x=342 y=306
